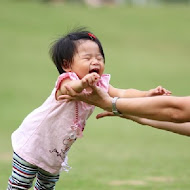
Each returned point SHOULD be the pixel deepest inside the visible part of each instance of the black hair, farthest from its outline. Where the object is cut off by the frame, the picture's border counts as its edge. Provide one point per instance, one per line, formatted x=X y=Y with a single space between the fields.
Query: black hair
x=63 y=50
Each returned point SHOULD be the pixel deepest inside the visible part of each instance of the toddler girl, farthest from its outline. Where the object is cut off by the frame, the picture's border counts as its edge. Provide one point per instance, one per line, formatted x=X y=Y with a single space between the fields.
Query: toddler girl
x=42 y=141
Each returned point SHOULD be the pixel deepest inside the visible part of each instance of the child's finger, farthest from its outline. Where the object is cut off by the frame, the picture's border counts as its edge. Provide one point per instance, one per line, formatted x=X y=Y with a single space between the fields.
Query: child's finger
x=90 y=81
x=159 y=89
x=94 y=80
x=96 y=75
x=166 y=91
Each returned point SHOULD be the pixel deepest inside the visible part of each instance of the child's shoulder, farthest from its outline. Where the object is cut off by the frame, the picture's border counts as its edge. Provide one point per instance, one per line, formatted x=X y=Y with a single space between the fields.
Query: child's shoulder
x=63 y=76
x=71 y=75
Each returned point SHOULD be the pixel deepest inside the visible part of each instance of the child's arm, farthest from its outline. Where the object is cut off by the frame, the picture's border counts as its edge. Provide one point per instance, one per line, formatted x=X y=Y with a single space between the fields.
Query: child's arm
x=180 y=128
x=77 y=85
x=133 y=93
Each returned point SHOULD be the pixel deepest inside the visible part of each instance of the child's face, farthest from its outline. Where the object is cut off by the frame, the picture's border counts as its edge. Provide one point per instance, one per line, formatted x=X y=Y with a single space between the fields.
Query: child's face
x=87 y=59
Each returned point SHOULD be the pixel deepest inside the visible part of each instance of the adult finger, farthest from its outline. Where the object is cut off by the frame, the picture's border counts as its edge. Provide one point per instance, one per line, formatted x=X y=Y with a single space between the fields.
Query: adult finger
x=104 y=114
x=67 y=97
x=94 y=88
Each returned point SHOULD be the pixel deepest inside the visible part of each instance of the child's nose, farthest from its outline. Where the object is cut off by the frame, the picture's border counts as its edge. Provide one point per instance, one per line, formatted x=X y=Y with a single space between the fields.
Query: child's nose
x=95 y=61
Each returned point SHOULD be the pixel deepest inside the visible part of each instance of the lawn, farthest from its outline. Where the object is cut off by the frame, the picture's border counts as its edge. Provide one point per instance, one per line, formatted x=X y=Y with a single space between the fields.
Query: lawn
x=144 y=47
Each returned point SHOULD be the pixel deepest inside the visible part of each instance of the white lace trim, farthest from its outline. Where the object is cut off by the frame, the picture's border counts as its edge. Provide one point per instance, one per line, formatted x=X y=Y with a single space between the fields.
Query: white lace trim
x=64 y=166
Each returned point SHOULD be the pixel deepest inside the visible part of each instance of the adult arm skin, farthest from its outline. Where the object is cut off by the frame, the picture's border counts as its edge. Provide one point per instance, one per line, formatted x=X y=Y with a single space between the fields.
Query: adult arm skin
x=163 y=108
x=179 y=128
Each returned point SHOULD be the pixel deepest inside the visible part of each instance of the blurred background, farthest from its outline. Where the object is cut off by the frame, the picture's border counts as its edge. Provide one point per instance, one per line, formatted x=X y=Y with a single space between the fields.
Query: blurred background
x=146 y=44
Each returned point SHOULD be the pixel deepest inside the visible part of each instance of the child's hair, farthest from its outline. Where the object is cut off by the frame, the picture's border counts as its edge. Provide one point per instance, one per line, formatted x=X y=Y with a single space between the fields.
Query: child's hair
x=64 y=49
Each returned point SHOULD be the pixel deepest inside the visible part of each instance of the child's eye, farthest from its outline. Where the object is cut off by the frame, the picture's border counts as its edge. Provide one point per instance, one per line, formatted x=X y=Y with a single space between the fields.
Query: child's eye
x=87 y=58
x=100 y=58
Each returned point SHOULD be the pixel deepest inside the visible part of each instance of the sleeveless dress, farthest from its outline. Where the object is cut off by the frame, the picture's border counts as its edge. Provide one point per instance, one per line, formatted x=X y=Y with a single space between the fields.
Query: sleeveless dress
x=47 y=133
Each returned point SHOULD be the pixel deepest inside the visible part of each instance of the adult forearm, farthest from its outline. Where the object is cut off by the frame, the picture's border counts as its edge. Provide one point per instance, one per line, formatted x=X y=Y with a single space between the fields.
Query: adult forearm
x=164 y=108
x=180 y=128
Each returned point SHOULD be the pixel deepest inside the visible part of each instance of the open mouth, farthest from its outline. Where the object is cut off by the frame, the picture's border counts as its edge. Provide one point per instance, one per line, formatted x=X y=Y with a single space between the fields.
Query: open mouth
x=95 y=70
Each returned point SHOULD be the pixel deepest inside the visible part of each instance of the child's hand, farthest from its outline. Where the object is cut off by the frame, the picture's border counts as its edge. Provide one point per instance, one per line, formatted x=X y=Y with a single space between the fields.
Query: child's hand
x=90 y=79
x=158 y=91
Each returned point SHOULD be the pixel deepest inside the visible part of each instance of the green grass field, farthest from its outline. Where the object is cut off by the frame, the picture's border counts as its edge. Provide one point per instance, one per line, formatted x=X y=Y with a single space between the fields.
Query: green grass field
x=144 y=48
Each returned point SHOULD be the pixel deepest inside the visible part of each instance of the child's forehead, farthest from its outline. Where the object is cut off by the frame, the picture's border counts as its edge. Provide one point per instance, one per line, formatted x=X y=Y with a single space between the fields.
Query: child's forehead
x=87 y=45
x=83 y=42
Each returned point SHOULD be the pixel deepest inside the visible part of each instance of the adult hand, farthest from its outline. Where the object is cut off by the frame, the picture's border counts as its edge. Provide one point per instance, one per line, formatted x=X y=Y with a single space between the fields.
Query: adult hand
x=97 y=97
x=104 y=114
x=108 y=114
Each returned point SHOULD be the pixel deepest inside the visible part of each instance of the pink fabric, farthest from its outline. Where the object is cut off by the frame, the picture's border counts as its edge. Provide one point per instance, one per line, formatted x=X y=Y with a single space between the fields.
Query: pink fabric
x=47 y=133
x=70 y=75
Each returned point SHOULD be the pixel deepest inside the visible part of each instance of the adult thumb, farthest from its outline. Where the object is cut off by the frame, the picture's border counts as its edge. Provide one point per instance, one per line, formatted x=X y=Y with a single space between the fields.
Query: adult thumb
x=104 y=114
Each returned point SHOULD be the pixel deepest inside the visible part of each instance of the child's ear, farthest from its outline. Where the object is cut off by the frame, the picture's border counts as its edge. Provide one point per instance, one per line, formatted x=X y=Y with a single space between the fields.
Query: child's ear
x=66 y=66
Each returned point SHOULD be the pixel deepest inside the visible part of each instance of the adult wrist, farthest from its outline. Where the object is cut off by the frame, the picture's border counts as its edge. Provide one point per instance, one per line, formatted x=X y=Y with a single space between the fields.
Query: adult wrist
x=107 y=105
x=114 y=107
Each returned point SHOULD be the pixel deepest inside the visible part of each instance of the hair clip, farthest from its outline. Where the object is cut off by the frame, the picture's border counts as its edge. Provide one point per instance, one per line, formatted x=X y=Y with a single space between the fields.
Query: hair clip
x=92 y=36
